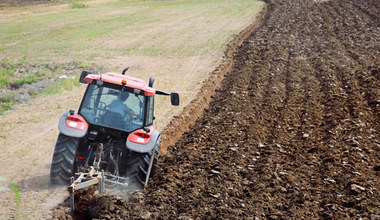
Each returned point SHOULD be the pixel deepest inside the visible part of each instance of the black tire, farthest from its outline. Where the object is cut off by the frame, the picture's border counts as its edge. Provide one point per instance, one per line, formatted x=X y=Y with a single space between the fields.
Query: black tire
x=62 y=166
x=138 y=164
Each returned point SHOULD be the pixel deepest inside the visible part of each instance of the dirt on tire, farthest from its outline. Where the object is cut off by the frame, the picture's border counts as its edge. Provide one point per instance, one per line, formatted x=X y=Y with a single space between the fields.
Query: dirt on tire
x=293 y=132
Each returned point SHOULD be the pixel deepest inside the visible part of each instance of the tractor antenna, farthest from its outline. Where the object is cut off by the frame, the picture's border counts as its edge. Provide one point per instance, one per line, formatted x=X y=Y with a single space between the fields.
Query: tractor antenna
x=125 y=70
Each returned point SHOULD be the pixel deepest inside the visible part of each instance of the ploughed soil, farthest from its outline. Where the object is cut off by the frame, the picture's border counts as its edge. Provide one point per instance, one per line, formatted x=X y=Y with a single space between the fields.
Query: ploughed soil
x=293 y=132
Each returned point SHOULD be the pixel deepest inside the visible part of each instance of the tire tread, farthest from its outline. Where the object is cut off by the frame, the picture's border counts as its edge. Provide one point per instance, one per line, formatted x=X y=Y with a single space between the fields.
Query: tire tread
x=62 y=166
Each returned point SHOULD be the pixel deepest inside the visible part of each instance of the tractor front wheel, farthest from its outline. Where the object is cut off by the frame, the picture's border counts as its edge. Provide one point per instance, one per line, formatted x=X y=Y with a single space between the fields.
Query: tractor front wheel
x=62 y=166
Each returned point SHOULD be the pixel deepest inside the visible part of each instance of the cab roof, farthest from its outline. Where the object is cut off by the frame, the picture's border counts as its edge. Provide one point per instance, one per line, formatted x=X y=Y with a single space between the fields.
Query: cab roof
x=118 y=79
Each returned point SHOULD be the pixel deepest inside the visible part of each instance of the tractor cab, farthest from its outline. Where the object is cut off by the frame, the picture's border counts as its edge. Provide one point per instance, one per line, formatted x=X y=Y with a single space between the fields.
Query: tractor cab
x=112 y=106
x=118 y=101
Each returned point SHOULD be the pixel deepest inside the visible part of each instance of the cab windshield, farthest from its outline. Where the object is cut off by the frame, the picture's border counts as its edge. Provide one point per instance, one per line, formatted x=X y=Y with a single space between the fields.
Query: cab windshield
x=113 y=108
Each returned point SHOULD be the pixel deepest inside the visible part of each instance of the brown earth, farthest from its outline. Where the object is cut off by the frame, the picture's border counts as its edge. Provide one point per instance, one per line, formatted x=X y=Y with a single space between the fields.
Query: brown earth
x=293 y=132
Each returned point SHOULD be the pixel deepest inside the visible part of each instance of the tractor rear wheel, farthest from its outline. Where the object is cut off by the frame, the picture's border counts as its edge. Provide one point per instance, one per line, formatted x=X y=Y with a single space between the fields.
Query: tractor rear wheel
x=138 y=165
x=62 y=166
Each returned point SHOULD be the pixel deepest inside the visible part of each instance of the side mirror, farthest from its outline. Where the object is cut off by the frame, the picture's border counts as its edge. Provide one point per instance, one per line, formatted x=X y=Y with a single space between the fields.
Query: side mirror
x=174 y=98
x=151 y=81
x=83 y=75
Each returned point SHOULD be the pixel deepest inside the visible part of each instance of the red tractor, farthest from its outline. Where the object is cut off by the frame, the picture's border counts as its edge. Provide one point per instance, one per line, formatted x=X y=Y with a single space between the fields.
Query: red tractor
x=112 y=131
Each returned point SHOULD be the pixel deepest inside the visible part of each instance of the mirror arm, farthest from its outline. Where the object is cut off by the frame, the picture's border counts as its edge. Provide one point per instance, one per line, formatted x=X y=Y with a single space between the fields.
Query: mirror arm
x=161 y=93
x=174 y=98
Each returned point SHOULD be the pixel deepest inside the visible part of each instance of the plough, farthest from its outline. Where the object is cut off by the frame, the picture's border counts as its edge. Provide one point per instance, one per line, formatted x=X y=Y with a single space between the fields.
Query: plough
x=93 y=177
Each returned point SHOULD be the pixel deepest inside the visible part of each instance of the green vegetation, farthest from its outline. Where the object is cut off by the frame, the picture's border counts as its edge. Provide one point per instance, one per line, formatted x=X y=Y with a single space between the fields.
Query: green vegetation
x=13 y=75
x=9 y=78
x=77 y=4
x=24 y=80
x=67 y=84
x=84 y=65
x=125 y=28
x=18 y=198
x=15 y=191
x=4 y=81
x=6 y=102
